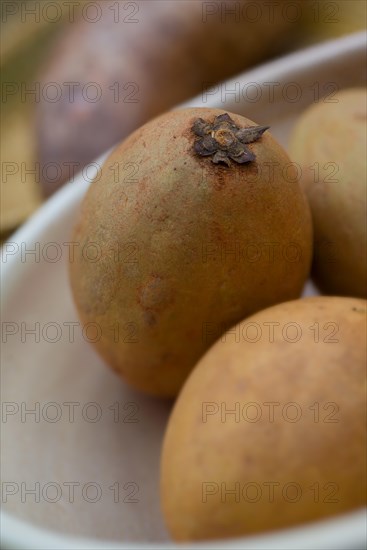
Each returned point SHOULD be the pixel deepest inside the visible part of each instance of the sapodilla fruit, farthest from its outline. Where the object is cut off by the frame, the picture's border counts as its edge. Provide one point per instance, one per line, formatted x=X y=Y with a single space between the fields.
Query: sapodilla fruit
x=194 y=222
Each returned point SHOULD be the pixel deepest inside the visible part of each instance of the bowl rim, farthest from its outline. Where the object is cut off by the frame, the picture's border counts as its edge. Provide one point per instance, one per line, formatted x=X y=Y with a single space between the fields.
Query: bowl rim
x=348 y=530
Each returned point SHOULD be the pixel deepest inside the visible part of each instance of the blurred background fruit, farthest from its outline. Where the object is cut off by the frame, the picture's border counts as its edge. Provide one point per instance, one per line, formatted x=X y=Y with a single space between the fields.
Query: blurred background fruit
x=138 y=63
x=324 y=20
x=20 y=193
x=25 y=42
x=329 y=143
x=168 y=54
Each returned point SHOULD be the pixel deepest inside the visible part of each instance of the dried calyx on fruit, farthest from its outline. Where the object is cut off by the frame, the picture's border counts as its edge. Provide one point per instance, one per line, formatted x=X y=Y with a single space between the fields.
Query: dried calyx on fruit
x=225 y=140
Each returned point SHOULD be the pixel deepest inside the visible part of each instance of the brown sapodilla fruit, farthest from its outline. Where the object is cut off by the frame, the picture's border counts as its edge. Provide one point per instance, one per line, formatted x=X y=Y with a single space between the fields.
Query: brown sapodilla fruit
x=269 y=429
x=329 y=142
x=174 y=248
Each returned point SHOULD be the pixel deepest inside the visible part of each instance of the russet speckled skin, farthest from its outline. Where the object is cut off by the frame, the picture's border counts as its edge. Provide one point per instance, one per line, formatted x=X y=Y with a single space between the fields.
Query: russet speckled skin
x=174 y=218
x=298 y=460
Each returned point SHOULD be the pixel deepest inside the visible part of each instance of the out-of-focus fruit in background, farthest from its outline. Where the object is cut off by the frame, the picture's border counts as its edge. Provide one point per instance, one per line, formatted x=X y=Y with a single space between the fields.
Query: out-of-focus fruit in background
x=157 y=55
x=325 y=20
x=25 y=42
x=169 y=59
x=20 y=191
x=329 y=143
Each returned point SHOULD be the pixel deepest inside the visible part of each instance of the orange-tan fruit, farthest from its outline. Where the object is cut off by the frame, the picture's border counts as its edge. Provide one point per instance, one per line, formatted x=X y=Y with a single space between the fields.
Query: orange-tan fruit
x=330 y=143
x=269 y=429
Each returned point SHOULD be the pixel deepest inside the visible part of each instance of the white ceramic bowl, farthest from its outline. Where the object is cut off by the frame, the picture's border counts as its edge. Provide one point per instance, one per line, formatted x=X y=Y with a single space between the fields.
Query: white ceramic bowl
x=55 y=372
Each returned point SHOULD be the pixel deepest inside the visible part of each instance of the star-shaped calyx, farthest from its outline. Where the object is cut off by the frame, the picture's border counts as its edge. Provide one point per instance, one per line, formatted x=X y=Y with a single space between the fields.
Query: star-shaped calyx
x=224 y=140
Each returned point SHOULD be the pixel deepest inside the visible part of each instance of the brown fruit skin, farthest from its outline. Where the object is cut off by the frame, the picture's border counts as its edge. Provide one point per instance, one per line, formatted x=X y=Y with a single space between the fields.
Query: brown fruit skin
x=174 y=221
x=324 y=450
x=332 y=137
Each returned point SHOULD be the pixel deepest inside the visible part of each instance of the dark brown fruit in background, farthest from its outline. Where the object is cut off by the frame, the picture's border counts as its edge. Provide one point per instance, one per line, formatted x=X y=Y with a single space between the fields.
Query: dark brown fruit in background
x=171 y=53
